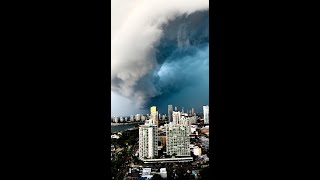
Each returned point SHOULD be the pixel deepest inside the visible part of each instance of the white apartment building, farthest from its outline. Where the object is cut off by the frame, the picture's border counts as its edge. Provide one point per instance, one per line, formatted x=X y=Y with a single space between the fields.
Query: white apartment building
x=148 y=141
x=137 y=117
x=206 y=114
x=115 y=119
x=178 y=140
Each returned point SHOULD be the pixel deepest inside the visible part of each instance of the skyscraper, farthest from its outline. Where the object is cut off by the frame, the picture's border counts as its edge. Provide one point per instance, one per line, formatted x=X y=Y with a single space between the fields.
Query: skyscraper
x=153 y=109
x=206 y=114
x=175 y=108
x=170 y=113
x=154 y=115
x=163 y=117
x=116 y=119
x=148 y=141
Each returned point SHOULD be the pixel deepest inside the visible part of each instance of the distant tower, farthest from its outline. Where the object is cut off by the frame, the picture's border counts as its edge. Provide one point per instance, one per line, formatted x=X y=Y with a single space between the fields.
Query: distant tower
x=182 y=110
x=154 y=115
x=138 y=117
x=192 y=111
x=170 y=113
x=206 y=114
x=175 y=109
x=176 y=117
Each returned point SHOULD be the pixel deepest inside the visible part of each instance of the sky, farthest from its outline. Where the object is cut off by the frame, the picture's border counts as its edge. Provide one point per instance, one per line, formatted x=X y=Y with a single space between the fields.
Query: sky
x=159 y=55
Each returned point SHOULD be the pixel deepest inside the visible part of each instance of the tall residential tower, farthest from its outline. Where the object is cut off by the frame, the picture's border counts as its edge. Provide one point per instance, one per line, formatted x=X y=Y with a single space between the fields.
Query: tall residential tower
x=148 y=141
x=170 y=109
x=154 y=115
x=206 y=114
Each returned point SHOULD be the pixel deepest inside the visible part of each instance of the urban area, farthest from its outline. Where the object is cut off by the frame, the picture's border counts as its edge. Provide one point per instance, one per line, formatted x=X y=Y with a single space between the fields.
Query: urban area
x=173 y=146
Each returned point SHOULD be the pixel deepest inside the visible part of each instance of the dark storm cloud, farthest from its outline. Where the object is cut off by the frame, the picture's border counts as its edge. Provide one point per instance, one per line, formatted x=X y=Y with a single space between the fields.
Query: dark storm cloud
x=162 y=56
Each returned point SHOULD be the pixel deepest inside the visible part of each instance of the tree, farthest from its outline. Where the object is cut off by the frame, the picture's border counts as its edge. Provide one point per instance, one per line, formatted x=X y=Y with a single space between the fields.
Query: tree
x=156 y=177
x=205 y=173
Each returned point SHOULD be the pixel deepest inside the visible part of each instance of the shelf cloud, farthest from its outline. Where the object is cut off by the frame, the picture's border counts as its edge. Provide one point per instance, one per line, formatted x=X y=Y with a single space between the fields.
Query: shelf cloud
x=159 y=49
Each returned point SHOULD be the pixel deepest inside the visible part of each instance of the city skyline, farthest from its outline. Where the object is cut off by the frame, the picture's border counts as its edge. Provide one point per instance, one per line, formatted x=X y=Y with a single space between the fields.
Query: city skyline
x=165 y=112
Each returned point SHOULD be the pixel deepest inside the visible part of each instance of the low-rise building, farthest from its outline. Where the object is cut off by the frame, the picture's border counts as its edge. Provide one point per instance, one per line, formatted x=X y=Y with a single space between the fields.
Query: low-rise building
x=204 y=130
x=146 y=171
x=193 y=128
x=114 y=136
x=197 y=151
x=205 y=158
x=204 y=142
x=163 y=173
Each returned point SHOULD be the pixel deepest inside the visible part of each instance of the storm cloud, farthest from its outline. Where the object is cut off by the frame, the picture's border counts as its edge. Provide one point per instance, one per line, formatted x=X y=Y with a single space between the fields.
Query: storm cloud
x=159 y=52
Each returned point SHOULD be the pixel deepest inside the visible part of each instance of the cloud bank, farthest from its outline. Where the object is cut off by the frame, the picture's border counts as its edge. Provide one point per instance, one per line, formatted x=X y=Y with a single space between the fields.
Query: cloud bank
x=159 y=49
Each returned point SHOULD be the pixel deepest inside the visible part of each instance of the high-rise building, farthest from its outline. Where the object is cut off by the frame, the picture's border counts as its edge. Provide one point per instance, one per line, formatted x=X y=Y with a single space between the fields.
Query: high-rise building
x=175 y=117
x=178 y=140
x=153 y=109
x=148 y=141
x=138 y=117
x=206 y=114
x=192 y=111
x=131 y=118
x=170 y=113
x=154 y=115
x=121 y=119
x=175 y=109
x=116 y=119
x=163 y=117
